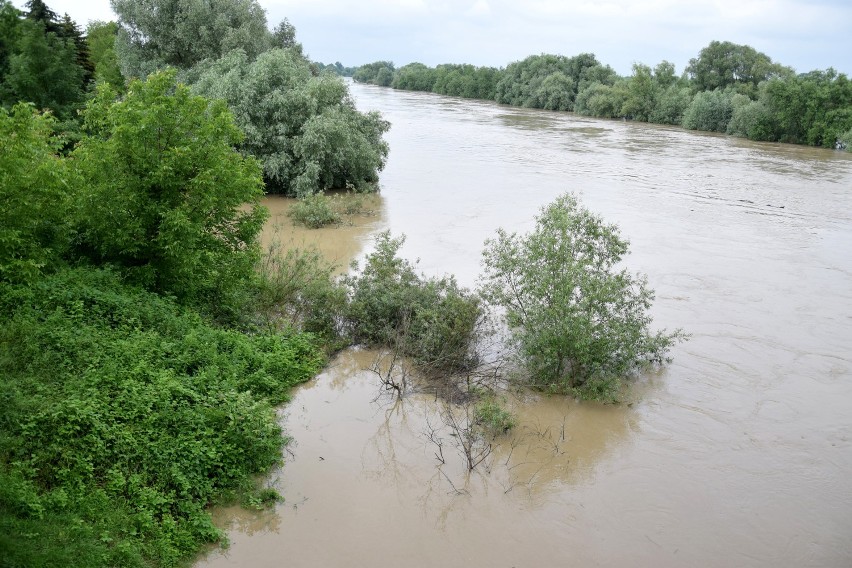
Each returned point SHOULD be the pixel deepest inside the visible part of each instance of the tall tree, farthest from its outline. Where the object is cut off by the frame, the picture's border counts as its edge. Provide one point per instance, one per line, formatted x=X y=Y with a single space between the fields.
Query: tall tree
x=723 y=63
x=43 y=70
x=180 y=33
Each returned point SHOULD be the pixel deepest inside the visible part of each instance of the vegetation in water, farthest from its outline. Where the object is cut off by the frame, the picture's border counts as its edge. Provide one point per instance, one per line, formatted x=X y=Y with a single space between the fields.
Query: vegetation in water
x=578 y=324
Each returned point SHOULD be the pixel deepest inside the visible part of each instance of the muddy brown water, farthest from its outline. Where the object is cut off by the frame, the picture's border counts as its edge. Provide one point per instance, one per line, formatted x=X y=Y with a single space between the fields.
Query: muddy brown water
x=739 y=453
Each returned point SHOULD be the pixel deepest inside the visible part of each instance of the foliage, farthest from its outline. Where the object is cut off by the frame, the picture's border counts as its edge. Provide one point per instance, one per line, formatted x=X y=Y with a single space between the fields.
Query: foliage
x=492 y=416
x=544 y=81
x=709 y=110
x=722 y=64
x=181 y=33
x=336 y=68
x=125 y=416
x=433 y=320
x=42 y=69
x=813 y=108
x=601 y=100
x=297 y=290
x=377 y=73
x=35 y=187
x=577 y=323
x=314 y=210
x=304 y=129
x=414 y=77
x=101 y=39
x=166 y=197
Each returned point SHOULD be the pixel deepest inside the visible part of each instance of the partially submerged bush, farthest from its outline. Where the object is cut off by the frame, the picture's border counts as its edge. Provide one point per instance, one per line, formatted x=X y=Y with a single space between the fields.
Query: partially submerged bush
x=315 y=210
x=297 y=289
x=433 y=320
x=577 y=323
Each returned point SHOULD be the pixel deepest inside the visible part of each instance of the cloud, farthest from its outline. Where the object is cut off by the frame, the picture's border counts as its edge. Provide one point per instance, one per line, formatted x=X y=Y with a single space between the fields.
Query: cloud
x=479 y=9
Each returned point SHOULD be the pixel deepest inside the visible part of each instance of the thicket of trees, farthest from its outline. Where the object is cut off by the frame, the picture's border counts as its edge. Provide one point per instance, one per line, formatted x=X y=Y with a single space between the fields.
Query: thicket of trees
x=727 y=88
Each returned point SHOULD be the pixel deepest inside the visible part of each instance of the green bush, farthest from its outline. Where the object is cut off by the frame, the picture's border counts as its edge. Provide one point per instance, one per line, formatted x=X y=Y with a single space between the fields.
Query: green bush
x=433 y=320
x=710 y=111
x=125 y=415
x=492 y=417
x=578 y=324
x=314 y=210
x=297 y=289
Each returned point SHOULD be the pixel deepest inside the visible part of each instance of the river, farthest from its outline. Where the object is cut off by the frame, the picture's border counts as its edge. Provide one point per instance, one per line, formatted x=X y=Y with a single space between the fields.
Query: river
x=738 y=453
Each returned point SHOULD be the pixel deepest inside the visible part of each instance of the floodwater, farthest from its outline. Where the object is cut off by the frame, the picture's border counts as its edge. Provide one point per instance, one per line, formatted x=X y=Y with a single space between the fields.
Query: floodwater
x=739 y=453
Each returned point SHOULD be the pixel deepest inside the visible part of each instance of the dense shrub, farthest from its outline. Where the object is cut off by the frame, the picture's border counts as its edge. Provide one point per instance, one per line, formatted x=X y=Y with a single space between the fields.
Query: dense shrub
x=121 y=405
x=710 y=111
x=433 y=320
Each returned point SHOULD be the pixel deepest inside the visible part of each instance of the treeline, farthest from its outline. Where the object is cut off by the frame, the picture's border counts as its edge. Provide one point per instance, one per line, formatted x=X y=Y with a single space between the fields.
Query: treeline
x=728 y=88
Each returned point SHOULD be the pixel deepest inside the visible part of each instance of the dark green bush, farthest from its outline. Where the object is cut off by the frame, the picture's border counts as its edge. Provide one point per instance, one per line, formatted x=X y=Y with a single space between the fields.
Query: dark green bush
x=119 y=402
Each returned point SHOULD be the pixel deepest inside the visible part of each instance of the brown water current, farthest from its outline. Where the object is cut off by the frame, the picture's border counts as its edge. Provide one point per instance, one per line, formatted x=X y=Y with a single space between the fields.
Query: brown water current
x=739 y=453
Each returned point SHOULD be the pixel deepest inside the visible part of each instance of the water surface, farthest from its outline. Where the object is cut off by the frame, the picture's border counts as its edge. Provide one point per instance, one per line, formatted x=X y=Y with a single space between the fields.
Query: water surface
x=737 y=454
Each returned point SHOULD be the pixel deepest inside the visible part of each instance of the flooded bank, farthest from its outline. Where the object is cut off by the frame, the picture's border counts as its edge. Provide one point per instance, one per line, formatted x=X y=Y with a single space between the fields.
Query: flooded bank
x=737 y=454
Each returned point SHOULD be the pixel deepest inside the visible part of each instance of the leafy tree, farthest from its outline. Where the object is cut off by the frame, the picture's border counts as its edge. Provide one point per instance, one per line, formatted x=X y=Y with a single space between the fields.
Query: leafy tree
x=578 y=323
x=813 y=108
x=376 y=73
x=181 y=33
x=166 y=197
x=101 y=39
x=414 y=77
x=710 y=111
x=601 y=100
x=35 y=186
x=722 y=64
x=523 y=82
x=304 y=129
x=43 y=70
x=433 y=320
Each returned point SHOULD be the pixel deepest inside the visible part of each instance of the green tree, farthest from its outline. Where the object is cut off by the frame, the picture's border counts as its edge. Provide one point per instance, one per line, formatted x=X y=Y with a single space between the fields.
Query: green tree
x=35 y=186
x=722 y=64
x=304 y=129
x=166 y=196
x=578 y=323
x=180 y=33
x=101 y=39
x=43 y=70
x=376 y=73
x=710 y=111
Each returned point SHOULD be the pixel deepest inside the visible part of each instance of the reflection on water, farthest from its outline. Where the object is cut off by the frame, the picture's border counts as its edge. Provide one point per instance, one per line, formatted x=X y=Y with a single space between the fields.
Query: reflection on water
x=737 y=454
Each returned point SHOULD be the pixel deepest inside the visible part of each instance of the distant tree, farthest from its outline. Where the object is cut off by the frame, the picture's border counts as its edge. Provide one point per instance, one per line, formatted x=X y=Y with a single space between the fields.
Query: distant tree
x=414 y=77
x=181 y=33
x=43 y=70
x=813 y=108
x=722 y=64
x=578 y=323
x=165 y=197
x=101 y=39
x=370 y=73
x=710 y=111
x=523 y=82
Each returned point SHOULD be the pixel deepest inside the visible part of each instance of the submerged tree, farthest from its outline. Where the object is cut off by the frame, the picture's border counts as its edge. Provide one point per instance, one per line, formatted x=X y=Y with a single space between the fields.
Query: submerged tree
x=579 y=324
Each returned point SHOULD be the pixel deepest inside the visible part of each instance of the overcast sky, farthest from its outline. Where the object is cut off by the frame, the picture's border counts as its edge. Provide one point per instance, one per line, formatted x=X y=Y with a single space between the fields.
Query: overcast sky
x=804 y=34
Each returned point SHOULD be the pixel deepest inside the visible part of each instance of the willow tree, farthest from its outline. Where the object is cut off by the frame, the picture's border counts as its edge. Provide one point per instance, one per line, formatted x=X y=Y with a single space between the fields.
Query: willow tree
x=578 y=323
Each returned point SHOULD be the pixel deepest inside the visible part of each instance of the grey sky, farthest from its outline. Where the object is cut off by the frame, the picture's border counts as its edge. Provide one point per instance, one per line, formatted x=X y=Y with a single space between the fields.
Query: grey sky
x=804 y=34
